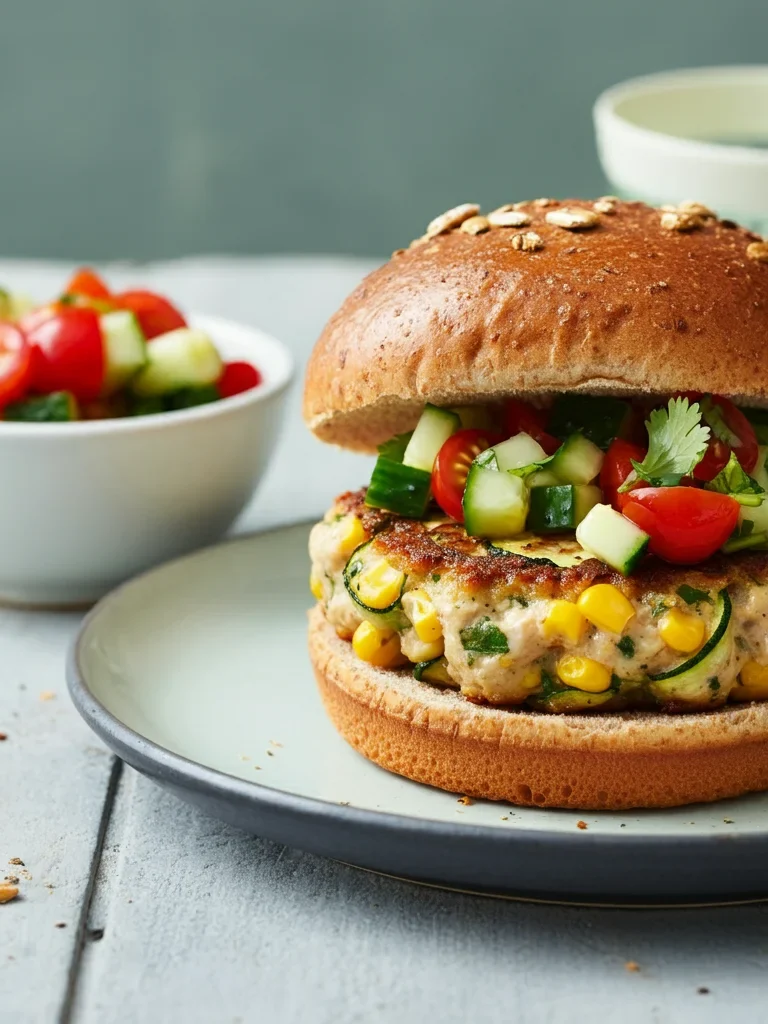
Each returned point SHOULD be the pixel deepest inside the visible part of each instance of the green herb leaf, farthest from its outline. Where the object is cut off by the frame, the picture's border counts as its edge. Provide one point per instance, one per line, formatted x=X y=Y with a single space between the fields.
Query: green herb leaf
x=548 y=685
x=732 y=480
x=518 y=599
x=658 y=608
x=693 y=596
x=676 y=443
x=394 y=449
x=484 y=637
x=435 y=577
x=627 y=646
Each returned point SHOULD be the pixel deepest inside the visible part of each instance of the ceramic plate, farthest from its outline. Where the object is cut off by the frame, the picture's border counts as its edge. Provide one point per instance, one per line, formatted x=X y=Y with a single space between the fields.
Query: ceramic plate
x=197 y=675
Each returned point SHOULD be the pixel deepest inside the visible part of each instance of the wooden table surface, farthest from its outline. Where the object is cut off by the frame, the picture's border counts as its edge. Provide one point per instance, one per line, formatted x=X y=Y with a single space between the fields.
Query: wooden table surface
x=134 y=907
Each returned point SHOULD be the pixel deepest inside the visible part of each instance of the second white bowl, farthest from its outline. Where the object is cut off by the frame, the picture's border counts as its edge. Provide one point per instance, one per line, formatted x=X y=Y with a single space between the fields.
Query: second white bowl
x=697 y=134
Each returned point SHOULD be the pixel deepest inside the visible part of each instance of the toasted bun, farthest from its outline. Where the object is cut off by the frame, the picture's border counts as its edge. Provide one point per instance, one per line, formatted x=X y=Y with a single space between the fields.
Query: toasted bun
x=609 y=761
x=627 y=306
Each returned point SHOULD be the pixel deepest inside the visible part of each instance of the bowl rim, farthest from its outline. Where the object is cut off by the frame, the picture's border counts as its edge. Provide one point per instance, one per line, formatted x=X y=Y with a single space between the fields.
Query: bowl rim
x=606 y=116
x=277 y=378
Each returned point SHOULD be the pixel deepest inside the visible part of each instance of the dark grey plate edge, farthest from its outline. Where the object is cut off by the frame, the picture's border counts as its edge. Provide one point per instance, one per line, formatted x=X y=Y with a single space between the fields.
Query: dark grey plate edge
x=546 y=865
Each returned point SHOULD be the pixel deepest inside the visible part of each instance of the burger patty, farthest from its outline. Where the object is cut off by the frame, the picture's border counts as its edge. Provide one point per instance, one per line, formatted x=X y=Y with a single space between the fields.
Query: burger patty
x=481 y=591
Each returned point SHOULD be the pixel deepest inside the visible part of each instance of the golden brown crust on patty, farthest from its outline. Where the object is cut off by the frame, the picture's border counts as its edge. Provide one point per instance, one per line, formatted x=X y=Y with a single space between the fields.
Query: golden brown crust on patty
x=628 y=306
x=416 y=548
x=610 y=761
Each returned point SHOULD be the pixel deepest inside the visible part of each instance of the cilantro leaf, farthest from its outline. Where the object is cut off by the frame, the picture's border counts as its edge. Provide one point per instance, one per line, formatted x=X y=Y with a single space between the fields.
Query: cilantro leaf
x=693 y=596
x=394 y=449
x=627 y=646
x=676 y=443
x=484 y=637
x=734 y=481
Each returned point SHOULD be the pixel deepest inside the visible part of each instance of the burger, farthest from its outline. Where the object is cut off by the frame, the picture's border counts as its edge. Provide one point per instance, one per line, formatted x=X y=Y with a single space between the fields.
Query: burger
x=553 y=590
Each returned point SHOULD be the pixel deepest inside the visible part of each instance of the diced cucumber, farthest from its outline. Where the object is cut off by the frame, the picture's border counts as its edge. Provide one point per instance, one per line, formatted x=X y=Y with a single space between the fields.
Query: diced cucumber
x=561 y=507
x=495 y=504
x=600 y=419
x=188 y=398
x=518 y=452
x=58 y=407
x=542 y=478
x=577 y=460
x=758 y=514
x=612 y=538
x=148 y=406
x=696 y=680
x=184 y=358
x=474 y=416
x=125 y=349
x=398 y=488
x=432 y=431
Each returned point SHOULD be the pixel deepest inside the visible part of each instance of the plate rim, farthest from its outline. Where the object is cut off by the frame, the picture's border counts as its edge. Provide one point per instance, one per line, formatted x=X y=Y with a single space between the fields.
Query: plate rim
x=181 y=771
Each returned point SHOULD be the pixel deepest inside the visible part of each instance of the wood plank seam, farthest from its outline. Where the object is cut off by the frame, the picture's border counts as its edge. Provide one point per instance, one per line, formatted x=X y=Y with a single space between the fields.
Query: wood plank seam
x=73 y=973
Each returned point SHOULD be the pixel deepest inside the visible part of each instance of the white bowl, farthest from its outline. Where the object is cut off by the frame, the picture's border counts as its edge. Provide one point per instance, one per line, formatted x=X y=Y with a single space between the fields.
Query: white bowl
x=87 y=504
x=692 y=134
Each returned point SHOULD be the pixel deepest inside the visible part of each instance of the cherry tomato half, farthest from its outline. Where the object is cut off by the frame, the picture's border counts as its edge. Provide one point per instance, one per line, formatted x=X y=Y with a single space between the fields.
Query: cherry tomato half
x=87 y=282
x=236 y=378
x=730 y=431
x=155 y=314
x=519 y=417
x=449 y=475
x=616 y=468
x=67 y=350
x=15 y=364
x=685 y=524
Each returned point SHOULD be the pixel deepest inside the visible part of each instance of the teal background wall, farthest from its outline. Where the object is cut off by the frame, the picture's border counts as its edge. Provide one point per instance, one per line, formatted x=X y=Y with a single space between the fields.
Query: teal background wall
x=157 y=128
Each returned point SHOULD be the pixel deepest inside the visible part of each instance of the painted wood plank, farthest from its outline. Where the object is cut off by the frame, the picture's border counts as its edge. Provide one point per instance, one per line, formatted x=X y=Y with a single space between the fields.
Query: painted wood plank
x=53 y=779
x=202 y=923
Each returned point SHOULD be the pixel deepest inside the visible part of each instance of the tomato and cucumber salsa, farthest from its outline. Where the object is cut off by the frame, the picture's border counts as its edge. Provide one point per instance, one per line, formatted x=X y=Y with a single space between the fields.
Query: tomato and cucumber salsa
x=680 y=478
x=92 y=353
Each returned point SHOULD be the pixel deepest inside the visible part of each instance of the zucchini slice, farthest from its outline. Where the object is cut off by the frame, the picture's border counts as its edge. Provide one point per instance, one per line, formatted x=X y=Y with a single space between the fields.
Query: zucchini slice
x=696 y=680
x=434 y=671
x=391 y=617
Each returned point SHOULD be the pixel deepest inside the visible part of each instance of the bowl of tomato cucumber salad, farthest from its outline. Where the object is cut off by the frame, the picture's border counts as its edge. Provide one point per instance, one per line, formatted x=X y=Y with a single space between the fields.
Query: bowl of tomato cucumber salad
x=130 y=432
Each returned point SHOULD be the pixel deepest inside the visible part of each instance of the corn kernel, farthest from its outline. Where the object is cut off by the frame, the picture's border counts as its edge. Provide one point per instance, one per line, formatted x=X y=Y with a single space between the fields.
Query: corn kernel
x=350 y=534
x=379 y=647
x=418 y=650
x=606 y=607
x=584 y=673
x=316 y=586
x=379 y=585
x=681 y=630
x=753 y=683
x=531 y=680
x=564 y=620
x=420 y=610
